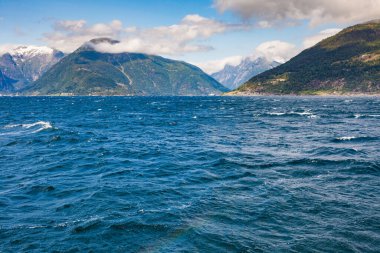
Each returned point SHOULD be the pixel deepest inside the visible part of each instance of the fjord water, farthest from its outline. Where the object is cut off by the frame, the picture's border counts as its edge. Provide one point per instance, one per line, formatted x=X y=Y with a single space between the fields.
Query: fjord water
x=189 y=174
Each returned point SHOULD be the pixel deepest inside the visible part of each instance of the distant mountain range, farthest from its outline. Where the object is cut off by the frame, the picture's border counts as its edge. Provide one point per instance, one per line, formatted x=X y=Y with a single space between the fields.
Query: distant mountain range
x=89 y=72
x=234 y=76
x=347 y=63
x=25 y=64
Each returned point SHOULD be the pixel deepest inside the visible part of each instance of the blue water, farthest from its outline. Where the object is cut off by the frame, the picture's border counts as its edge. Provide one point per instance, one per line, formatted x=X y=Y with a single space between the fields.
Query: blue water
x=189 y=174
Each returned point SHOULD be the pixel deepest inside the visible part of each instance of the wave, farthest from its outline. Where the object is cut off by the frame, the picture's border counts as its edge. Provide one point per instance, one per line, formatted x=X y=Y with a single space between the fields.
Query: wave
x=360 y=116
x=332 y=151
x=292 y=113
x=346 y=138
x=354 y=138
x=24 y=128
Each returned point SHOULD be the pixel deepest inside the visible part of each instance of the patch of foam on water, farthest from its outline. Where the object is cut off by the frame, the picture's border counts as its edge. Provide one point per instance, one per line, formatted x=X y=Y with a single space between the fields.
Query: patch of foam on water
x=305 y=113
x=346 y=138
x=39 y=125
x=276 y=113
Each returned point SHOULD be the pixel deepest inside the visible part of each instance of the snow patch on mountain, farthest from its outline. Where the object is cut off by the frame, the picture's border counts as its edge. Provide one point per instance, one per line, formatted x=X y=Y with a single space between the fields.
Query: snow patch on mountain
x=31 y=51
x=25 y=64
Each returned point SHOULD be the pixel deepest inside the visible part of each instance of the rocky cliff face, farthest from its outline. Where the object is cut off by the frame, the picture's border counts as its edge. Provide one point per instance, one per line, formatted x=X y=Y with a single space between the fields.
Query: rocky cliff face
x=234 y=76
x=6 y=84
x=25 y=64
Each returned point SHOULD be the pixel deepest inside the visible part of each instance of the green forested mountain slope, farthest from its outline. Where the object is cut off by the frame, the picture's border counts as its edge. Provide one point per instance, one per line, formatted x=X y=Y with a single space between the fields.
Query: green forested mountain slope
x=88 y=72
x=347 y=63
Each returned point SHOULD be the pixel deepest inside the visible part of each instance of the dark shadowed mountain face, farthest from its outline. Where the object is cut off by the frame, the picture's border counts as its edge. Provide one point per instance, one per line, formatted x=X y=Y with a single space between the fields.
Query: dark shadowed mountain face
x=10 y=70
x=234 y=76
x=347 y=63
x=25 y=64
x=6 y=84
x=88 y=72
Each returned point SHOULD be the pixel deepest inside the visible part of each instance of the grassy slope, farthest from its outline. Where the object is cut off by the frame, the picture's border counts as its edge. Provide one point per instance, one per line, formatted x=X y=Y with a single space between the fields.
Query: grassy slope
x=348 y=62
x=87 y=72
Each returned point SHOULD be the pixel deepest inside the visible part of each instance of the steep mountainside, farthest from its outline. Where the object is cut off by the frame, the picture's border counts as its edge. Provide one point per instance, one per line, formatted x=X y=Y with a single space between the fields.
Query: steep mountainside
x=347 y=63
x=6 y=84
x=88 y=72
x=234 y=76
x=25 y=64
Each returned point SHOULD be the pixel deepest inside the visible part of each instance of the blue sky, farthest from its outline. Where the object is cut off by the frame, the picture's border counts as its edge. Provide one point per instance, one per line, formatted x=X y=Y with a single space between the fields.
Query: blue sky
x=209 y=33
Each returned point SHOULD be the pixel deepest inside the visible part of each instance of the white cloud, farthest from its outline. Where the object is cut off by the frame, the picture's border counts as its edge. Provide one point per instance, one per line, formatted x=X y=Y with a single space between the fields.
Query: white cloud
x=68 y=35
x=70 y=25
x=6 y=48
x=186 y=36
x=315 y=11
x=279 y=51
x=313 y=40
x=211 y=67
x=276 y=50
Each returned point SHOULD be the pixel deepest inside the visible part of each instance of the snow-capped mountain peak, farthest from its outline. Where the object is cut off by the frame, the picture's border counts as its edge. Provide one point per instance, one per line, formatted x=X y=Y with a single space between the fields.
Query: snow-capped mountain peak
x=234 y=76
x=31 y=51
x=25 y=64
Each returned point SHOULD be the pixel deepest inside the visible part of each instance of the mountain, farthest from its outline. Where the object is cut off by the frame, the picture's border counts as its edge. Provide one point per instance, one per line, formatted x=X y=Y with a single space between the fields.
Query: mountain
x=89 y=72
x=233 y=76
x=347 y=63
x=6 y=83
x=25 y=64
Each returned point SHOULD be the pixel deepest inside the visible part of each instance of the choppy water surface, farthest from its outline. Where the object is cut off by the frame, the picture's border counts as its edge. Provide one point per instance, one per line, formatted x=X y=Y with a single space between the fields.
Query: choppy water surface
x=219 y=174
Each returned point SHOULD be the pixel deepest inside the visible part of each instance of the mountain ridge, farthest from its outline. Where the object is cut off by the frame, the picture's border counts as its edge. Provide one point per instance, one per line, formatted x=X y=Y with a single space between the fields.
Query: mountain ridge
x=346 y=63
x=89 y=72
x=233 y=76
x=25 y=64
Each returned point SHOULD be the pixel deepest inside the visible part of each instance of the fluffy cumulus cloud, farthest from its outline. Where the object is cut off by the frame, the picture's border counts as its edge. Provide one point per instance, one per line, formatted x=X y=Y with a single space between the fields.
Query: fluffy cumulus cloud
x=315 y=11
x=276 y=50
x=186 y=36
x=313 y=40
x=68 y=35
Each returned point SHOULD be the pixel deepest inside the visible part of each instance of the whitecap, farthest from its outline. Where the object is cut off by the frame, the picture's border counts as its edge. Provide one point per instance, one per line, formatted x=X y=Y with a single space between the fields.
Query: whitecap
x=276 y=113
x=357 y=116
x=36 y=127
x=307 y=113
x=346 y=138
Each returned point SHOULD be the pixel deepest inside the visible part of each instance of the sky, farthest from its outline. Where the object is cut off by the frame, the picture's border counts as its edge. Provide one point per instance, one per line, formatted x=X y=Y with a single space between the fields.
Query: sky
x=207 y=33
